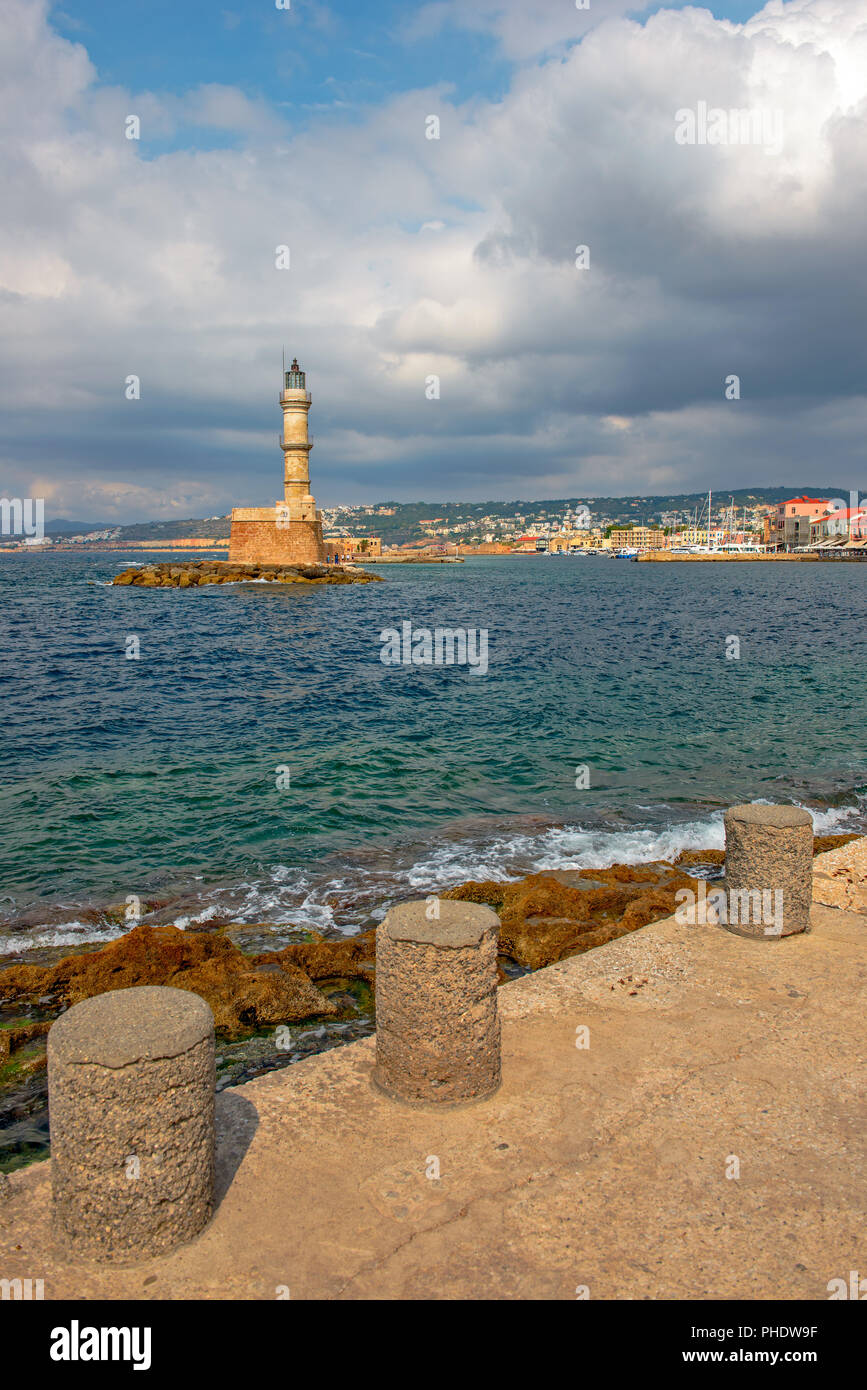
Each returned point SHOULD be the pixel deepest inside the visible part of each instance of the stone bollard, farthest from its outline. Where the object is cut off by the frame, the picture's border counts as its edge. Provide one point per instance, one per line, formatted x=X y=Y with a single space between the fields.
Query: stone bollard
x=437 y=1028
x=769 y=852
x=131 y=1081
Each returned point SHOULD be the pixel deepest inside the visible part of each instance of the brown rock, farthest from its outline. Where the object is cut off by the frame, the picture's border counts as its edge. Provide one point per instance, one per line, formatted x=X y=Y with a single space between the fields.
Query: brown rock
x=543 y=920
x=191 y=573
x=840 y=877
x=351 y=958
x=27 y=1032
x=823 y=844
x=701 y=856
x=244 y=994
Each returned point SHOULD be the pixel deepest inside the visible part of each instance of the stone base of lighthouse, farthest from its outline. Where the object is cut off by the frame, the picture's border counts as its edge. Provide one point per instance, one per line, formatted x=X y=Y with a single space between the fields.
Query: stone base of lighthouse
x=260 y=536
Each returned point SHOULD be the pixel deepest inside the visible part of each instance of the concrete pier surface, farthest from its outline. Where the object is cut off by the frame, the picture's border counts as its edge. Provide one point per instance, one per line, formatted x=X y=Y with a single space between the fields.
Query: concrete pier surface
x=600 y=1167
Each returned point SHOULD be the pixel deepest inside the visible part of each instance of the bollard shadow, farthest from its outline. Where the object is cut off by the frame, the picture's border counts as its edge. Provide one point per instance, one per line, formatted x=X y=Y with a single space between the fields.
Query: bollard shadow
x=236 y=1121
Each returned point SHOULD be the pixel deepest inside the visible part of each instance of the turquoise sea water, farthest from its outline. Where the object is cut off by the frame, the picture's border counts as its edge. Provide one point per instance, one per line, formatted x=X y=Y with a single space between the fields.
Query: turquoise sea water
x=158 y=776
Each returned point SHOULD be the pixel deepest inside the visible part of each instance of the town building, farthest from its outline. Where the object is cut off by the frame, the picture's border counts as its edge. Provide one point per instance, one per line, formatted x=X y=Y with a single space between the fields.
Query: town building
x=837 y=527
x=638 y=538
x=353 y=547
x=792 y=522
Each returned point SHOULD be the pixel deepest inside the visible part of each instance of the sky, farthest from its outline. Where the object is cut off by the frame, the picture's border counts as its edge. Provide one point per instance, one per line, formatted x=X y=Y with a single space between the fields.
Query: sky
x=458 y=343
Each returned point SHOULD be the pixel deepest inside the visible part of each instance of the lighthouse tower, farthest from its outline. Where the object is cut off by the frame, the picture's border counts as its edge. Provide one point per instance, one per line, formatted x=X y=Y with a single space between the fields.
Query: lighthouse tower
x=298 y=503
x=290 y=532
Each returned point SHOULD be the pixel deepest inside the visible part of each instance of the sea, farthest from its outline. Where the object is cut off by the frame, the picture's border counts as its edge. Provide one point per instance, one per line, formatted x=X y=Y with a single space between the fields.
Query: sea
x=244 y=752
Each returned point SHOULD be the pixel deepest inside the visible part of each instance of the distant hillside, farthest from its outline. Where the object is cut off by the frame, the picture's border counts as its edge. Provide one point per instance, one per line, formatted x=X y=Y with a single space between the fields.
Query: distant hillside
x=171 y=530
x=62 y=527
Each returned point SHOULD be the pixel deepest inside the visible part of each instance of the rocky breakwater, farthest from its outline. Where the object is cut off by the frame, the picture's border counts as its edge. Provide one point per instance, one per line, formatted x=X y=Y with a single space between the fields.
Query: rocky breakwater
x=196 y=574
x=548 y=916
x=244 y=992
x=267 y=1009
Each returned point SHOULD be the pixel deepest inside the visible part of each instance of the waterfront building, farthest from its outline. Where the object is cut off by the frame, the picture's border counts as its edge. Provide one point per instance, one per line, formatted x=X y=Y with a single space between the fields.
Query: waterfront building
x=835 y=528
x=353 y=547
x=792 y=522
x=638 y=538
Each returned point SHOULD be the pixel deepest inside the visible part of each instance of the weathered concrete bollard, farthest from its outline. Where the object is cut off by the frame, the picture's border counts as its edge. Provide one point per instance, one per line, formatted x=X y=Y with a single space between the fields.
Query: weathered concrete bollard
x=131 y=1082
x=437 y=1027
x=768 y=870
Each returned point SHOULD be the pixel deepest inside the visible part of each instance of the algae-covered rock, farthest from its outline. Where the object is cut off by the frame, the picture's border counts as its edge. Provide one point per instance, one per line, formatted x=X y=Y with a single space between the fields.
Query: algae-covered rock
x=192 y=574
x=243 y=993
x=544 y=919
x=350 y=958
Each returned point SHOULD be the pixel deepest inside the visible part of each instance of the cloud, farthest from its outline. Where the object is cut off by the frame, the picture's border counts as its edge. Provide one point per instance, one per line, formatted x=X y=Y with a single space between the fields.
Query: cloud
x=454 y=257
x=522 y=31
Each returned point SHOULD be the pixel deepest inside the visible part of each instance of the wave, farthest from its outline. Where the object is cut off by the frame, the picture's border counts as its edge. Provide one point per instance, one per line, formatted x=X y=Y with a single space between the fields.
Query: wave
x=65 y=934
x=349 y=892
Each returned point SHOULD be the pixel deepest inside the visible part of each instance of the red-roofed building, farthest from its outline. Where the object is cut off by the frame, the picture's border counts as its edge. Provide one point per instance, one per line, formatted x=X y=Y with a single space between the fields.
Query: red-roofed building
x=792 y=524
x=847 y=524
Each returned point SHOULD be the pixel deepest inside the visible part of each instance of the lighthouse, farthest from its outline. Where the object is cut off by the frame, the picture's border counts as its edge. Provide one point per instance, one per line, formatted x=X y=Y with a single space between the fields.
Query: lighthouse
x=290 y=532
x=298 y=502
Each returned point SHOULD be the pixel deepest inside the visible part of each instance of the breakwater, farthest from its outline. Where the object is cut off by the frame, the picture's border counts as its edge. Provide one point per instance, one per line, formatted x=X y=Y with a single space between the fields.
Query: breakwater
x=187 y=574
x=661 y=1066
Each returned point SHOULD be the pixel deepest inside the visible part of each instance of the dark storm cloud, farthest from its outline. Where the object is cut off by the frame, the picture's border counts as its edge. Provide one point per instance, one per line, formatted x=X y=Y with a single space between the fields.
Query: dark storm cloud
x=455 y=258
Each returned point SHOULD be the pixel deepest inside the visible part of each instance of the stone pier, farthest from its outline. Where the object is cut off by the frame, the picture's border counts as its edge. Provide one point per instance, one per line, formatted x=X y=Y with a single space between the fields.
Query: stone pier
x=633 y=1077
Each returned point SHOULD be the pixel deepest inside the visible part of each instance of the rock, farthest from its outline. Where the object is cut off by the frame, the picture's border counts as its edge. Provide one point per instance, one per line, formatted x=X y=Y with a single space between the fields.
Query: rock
x=193 y=573
x=351 y=958
x=543 y=920
x=27 y=1033
x=243 y=993
x=823 y=843
x=840 y=877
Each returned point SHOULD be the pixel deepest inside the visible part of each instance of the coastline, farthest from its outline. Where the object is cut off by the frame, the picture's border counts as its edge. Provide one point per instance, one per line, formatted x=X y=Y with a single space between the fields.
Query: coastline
x=322 y=1188
x=666 y=556
x=280 y=993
